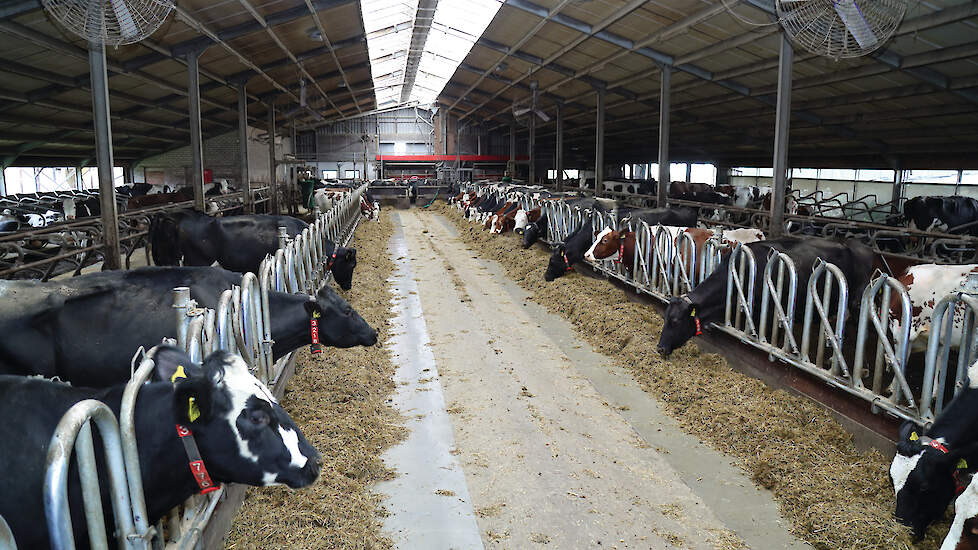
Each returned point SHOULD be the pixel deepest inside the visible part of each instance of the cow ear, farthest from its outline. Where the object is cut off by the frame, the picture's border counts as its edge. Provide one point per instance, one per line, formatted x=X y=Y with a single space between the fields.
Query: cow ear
x=172 y=364
x=351 y=254
x=192 y=400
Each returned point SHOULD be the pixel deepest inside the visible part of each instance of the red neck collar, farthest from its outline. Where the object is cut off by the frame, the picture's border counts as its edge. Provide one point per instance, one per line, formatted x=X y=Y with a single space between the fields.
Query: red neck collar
x=196 y=463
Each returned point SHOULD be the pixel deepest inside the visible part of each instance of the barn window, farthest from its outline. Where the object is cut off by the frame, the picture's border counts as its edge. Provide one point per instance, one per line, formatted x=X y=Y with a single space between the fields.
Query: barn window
x=330 y=174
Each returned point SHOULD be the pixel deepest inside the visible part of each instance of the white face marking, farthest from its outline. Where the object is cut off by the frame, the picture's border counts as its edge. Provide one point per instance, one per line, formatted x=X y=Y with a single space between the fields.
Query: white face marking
x=291 y=439
x=900 y=469
x=241 y=385
x=269 y=478
x=521 y=219
x=589 y=255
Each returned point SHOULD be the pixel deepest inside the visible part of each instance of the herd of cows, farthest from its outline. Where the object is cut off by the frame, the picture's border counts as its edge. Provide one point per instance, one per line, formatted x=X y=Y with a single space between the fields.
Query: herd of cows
x=932 y=467
x=70 y=340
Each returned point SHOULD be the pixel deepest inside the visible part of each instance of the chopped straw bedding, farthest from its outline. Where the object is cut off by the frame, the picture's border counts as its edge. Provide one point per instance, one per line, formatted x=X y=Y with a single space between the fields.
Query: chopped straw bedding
x=339 y=400
x=835 y=496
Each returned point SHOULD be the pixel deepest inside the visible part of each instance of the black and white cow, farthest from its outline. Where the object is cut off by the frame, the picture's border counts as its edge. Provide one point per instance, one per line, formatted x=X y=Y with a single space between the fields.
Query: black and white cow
x=942 y=214
x=84 y=329
x=238 y=243
x=570 y=252
x=681 y=216
x=927 y=470
x=686 y=316
x=242 y=433
x=534 y=230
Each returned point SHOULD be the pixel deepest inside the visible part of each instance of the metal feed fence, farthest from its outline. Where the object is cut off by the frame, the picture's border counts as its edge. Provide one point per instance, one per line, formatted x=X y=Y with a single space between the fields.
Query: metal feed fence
x=240 y=324
x=666 y=265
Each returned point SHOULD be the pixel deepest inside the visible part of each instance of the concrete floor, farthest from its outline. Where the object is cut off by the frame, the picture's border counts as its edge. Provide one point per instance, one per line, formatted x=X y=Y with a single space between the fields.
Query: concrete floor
x=558 y=446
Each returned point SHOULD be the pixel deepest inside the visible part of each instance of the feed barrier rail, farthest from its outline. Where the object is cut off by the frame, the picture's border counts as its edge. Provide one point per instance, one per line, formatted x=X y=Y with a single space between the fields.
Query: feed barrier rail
x=760 y=311
x=240 y=324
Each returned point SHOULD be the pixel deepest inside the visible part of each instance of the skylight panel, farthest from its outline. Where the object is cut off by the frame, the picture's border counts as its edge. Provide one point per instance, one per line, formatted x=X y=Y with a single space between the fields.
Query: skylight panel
x=390 y=25
x=457 y=25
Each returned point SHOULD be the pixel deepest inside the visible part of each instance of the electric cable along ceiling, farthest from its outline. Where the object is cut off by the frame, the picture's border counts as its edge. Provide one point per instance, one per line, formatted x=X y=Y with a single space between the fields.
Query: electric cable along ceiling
x=415 y=46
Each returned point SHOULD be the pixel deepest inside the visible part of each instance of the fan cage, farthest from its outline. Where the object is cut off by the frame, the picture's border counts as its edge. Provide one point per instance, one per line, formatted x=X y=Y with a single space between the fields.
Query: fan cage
x=110 y=22
x=818 y=25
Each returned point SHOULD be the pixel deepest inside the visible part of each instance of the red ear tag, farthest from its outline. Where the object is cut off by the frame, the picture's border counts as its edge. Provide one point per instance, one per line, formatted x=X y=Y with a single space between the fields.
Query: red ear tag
x=315 y=346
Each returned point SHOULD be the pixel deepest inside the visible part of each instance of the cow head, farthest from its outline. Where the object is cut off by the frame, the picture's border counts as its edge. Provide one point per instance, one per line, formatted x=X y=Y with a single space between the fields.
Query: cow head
x=923 y=479
x=340 y=326
x=531 y=233
x=243 y=434
x=679 y=325
x=607 y=243
x=520 y=221
x=559 y=264
x=342 y=267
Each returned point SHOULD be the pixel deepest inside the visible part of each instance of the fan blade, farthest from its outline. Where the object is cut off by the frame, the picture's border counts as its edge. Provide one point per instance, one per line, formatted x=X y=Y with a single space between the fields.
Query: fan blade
x=521 y=112
x=127 y=25
x=855 y=23
x=543 y=116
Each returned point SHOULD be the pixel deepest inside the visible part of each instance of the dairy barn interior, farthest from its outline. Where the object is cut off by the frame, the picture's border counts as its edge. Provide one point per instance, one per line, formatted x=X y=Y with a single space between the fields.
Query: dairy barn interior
x=432 y=274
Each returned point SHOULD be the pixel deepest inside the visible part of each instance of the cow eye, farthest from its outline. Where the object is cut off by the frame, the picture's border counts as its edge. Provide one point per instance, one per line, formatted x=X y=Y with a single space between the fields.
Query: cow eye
x=259 y=417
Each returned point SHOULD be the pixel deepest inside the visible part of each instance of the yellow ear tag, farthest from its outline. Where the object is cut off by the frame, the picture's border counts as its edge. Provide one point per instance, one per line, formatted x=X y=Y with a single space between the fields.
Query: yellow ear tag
x=315 y=315
x=178 y=374
x=693 y=313
x=962 y=464
x=913 y=436
x=193 y=413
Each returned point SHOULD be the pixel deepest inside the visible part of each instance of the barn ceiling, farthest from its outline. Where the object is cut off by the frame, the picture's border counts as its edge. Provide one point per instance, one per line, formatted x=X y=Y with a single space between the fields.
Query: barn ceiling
x=914 y=101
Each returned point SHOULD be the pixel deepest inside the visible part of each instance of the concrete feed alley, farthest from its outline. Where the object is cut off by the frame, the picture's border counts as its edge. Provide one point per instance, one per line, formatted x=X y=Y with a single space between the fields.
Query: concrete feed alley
x=556 y=444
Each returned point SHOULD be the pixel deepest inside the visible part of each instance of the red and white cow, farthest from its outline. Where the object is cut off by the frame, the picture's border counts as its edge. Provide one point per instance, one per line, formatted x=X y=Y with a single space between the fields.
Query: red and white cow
x=620 y=246
x=927 y=284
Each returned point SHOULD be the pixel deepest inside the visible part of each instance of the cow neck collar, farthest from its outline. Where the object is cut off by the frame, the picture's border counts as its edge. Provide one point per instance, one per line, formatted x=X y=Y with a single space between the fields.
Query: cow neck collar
x=196 y=463
x=962 y=476
x=696 y=319
x=567 y=262
x=622 y=237
x=332 y=259
x=314 y=345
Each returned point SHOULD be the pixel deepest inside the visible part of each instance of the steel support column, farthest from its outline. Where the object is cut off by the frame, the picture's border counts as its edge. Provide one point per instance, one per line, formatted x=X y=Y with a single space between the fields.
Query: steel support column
x=244 y=178
x=103 y=151
x=689 y=171
x=897 y=188
x=273 y=188
x=511 y=166
x=3 y=182
x=665 y=100
x=79 y=185
x=599 y=144
x=559 y=149
x=531 y=145
x=196 y=142
x=781 y=128
x=444 y=131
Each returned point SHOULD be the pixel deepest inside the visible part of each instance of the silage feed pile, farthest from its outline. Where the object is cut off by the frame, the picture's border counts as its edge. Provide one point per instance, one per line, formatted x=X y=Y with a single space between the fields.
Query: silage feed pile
x=836 y=497
x=339 y=399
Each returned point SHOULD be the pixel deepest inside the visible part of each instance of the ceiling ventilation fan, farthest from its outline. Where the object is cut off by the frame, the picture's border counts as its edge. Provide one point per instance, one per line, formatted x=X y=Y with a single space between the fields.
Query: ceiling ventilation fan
x=110 y=22
x=519 y=111
x=840 y=28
